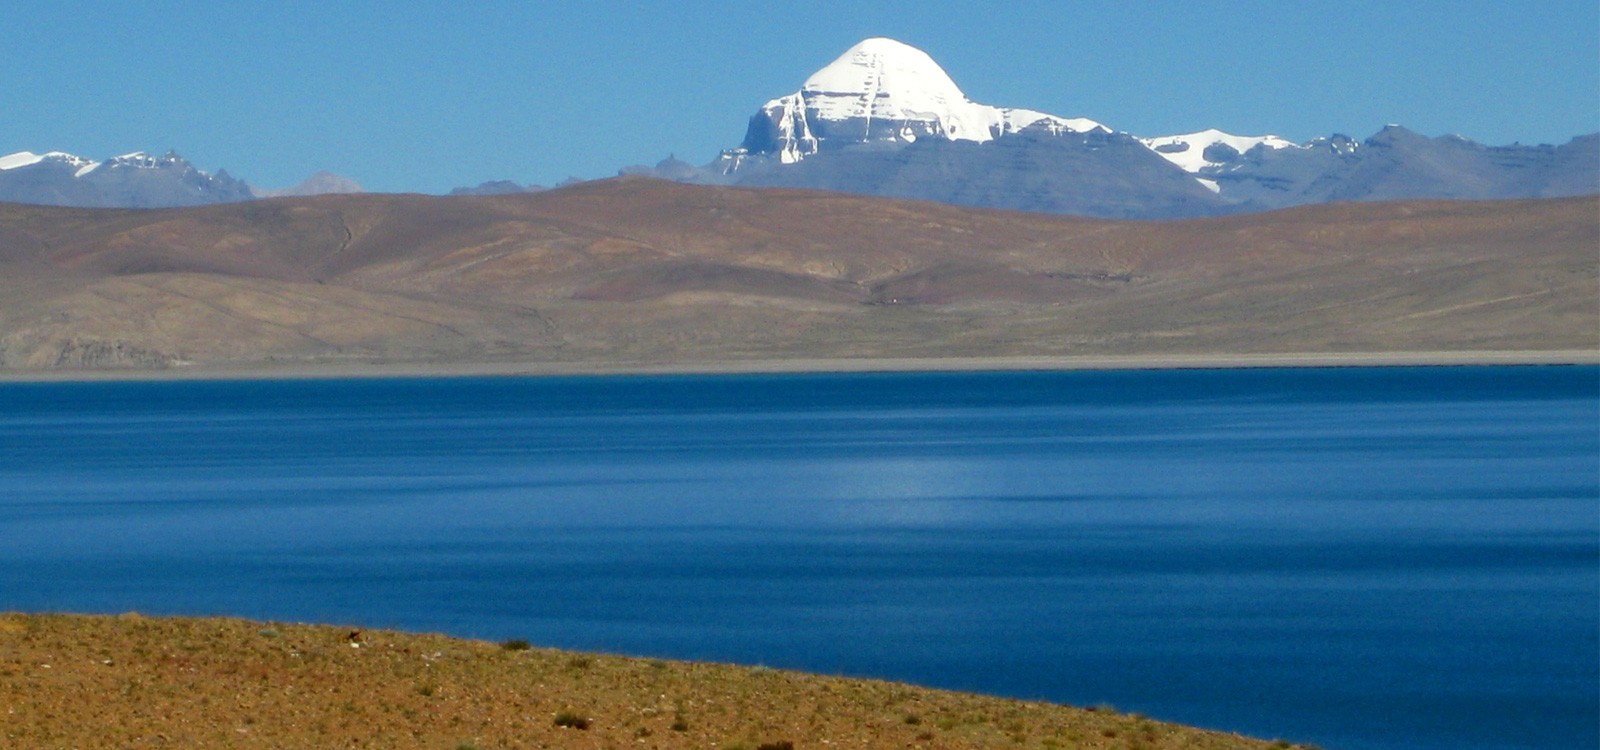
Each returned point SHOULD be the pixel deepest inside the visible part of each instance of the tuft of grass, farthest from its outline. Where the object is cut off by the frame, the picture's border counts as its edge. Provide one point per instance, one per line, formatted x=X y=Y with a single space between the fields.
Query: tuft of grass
x=913 y=719
x=515 y=644
x=580 y=662
x=267 y=633
x=570 y=720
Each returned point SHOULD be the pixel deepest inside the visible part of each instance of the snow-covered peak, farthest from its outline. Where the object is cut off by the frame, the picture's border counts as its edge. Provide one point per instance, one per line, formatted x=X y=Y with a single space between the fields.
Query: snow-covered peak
x=139 y=159
x=882 y=79
x=20 y=159
x=1014 y=120
x=27 y=158
x=885 y=91
x=1188 y=151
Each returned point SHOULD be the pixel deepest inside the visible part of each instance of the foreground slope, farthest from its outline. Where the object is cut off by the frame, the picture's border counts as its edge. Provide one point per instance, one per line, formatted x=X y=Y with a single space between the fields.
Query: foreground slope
x=129 y=681
x=644 y=272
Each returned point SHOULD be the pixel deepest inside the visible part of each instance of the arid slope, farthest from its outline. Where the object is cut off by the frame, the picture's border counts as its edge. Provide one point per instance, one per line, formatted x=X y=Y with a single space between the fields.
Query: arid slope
x=646 y=272
x=130 y=682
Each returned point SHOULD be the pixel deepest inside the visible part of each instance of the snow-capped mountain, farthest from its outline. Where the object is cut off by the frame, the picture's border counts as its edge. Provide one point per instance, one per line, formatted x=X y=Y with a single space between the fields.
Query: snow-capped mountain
x=1198 y=153
x=885 y=119
x=882 y=91
x=1193 y=152
x=134 y=180
x=27 y=159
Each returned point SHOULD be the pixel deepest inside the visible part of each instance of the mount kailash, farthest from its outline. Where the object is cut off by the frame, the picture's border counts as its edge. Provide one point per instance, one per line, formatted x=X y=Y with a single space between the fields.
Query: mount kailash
x=885 y=119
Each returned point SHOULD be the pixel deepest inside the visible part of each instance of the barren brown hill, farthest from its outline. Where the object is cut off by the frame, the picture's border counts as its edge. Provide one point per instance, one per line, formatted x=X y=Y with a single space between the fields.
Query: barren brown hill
x=135 y=682
x=642 y=272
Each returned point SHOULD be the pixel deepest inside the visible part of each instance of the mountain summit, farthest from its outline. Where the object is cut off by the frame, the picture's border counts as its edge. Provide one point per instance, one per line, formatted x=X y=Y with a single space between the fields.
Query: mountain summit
x=884 y=119
x=135 y=180
x=882 y=91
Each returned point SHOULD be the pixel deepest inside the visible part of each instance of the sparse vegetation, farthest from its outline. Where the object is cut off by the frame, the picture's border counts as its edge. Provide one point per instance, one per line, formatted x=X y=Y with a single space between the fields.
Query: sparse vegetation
x=570 y=720
x=866 y=279
x=220 y=683
x=515 y=644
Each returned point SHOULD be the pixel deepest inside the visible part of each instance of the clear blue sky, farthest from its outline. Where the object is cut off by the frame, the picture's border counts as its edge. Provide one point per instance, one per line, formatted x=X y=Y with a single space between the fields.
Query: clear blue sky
x=426 y=96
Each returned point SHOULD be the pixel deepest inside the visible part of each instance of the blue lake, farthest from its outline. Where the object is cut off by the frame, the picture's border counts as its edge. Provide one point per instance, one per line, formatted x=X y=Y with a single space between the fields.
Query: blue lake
x=1358 y=558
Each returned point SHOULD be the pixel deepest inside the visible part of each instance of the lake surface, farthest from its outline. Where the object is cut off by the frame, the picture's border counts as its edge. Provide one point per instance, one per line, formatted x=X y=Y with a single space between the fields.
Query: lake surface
x=1359 y=558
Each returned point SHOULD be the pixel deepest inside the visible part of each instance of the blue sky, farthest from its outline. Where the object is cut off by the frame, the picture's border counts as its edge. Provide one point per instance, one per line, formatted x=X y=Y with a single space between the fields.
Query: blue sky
x=425 y=96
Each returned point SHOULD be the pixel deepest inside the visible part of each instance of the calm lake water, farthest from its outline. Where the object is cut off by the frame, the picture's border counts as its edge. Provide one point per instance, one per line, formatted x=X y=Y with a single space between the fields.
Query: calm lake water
x=1359 y=558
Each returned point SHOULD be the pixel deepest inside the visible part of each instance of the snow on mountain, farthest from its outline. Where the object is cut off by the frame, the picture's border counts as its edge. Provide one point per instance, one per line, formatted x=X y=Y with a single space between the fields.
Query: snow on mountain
x=20 y=159
x=132 y=180
x=27 y=159
x=1193 y=152
x=884 y=91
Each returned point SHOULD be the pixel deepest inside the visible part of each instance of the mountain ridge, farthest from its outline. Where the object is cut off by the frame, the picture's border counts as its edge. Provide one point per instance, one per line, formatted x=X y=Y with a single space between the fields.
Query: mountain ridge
x=644 y=271
x=884 y=119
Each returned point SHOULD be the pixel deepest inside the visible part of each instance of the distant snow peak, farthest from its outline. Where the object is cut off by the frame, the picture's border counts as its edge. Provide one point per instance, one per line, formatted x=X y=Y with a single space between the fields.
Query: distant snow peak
x=143 y=160
x=885 y=80
x=19 y=159
x=27 y=159
x=883 y=91
x=132 y=180
x=1193 y=152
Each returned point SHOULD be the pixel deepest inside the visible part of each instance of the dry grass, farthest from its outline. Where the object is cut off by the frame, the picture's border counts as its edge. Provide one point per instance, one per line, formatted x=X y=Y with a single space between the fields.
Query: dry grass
x=70 y=681
x=637 y=271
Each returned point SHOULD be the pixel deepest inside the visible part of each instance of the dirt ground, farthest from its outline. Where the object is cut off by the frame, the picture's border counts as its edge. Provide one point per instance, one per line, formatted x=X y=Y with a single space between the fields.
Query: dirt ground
x=128 y=681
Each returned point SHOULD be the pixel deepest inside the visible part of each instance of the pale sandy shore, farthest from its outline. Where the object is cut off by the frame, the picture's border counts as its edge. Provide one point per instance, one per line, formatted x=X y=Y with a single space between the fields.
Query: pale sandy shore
x=286 y=371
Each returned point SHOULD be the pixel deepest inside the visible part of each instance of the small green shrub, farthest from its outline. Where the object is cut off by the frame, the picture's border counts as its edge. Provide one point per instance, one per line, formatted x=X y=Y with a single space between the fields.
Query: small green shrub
x=515 y=644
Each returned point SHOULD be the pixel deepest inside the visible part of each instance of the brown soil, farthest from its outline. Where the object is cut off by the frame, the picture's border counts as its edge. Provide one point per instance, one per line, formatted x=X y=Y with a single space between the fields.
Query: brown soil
x=70 y=681
x=632 y=271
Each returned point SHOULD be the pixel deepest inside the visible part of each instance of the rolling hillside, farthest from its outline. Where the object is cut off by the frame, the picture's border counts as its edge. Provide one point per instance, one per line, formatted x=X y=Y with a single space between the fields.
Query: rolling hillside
x=645 y=272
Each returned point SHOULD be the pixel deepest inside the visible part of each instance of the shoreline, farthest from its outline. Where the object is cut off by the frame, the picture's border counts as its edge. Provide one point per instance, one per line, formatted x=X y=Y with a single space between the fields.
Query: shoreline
x=231 y=682
x=813 y=365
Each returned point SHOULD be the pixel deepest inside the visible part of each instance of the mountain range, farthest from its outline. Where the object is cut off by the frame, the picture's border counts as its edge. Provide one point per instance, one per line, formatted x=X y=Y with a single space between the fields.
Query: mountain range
x=137 y=180
x=885 y=119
